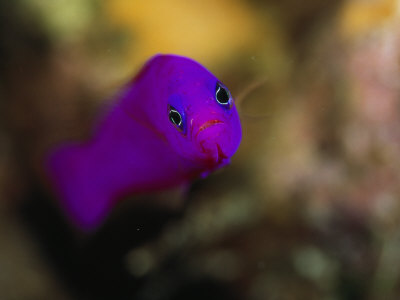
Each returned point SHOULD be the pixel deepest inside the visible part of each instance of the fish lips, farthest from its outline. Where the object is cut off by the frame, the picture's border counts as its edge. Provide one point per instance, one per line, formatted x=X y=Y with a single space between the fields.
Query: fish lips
x=214 y=142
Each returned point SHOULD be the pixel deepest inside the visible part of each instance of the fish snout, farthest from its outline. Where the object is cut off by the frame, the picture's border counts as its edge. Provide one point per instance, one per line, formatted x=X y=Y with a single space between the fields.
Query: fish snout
x=213 y=139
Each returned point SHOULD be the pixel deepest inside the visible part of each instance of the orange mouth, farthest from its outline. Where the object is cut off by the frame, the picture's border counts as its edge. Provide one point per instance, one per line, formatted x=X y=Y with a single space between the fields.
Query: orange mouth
x=208 y=124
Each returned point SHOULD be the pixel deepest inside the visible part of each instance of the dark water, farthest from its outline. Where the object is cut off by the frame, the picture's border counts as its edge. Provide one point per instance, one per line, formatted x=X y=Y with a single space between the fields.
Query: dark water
x=92 y=266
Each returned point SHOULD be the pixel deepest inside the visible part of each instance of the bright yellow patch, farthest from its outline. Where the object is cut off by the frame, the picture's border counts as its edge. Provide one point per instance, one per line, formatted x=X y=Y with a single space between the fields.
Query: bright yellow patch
x=361 y=16
x=202 y=30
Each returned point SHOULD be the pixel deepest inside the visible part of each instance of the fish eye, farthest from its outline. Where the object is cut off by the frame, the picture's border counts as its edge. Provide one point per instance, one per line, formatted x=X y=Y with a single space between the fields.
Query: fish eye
x=175 y=117
x=222 y=95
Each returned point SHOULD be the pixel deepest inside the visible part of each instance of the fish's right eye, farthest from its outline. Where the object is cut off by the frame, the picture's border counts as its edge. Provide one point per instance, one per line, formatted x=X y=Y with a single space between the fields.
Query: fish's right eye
x=223 y=96
x=176 y=118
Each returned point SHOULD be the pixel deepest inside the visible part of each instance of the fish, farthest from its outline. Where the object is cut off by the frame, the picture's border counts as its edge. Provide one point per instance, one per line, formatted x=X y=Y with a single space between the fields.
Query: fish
x=172 y=123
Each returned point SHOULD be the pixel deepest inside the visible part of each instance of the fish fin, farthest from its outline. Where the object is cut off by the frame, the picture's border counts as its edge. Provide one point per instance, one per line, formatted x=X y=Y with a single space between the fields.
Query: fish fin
x=81 y=196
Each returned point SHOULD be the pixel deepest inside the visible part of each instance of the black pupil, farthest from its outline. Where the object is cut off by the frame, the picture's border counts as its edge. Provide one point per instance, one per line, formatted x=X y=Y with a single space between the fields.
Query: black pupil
x=175 y=117
x=222 y=95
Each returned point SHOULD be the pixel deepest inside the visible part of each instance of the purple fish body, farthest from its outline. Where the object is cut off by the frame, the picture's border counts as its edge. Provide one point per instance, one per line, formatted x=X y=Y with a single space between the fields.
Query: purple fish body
x=174 y=122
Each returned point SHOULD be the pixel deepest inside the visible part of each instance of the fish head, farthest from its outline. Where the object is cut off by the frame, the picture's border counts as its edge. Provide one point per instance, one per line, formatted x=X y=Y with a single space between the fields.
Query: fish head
x=201 y=122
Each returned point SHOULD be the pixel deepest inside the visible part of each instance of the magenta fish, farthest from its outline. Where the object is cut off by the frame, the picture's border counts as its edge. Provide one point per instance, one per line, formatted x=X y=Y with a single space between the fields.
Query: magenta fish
x=174 y=122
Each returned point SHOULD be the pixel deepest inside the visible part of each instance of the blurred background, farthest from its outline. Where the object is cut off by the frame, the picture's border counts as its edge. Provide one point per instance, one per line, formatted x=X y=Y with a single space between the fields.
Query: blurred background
x=309 y=207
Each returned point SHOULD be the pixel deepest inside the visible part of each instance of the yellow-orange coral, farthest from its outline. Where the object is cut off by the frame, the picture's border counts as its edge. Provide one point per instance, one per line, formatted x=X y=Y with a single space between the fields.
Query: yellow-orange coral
x=202 y=30
x=358 y=17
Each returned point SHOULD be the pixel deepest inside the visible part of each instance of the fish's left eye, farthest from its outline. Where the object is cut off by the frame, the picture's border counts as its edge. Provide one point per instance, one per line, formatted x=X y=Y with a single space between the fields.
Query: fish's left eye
x=175 y=117
x=222 y=95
